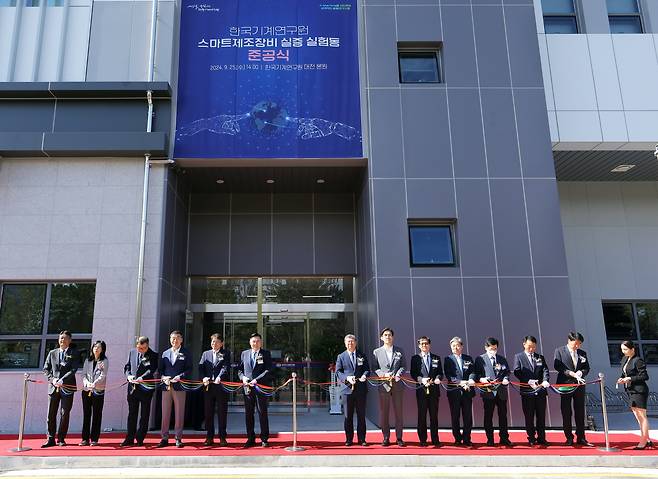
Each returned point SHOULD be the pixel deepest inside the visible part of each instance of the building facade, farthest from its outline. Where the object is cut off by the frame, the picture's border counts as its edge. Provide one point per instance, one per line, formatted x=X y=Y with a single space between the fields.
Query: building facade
x=484 y=203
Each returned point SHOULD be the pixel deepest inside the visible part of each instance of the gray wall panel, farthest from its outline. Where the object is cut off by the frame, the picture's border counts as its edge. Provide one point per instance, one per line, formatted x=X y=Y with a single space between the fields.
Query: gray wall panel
x=517 y=297
x=292 y=203
x=386 y=142
x=474 y=235
x=555 y=317
x=395 y=311
x=511 y=232
x=382 y=53
x=466 y=129
x=209 y=244
x=491 y=46
x=210 y=203
x=333 y=203
x=250 y=244
x=523 y=47
x=426 y=134
x=334 y=244
x=251 y=203
x=431 y=199
x=532 y=120
x=500 y=134
x=459 y=47
x=390 y=226
x=16 y=117
x=292 y=243
x=418 y=23
x=110 y=42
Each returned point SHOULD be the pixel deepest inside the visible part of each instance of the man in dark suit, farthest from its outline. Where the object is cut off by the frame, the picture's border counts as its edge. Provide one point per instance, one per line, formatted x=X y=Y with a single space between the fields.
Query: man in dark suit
x=214 y=368
x=460 y=372
x=352 y=370
x=59 y=368
x=175 y=364
x=427 y=370
x=142 y=365
x=572 y=367
x=531 y=368
x=256 y=367
x=492 y=367
x=390 y=363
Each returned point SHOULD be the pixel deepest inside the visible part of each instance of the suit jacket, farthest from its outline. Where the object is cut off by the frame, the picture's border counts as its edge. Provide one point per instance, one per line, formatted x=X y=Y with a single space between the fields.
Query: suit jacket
x=96 y=374
x=261 y=370
x=344 y=368
x=563 y=363
x=144 y=369
x=484 y=368
x=454 y=374
x=65 y=370
x=637 y=371
x=382 y=365
x=208 y=368
x=419 y=371
x=182 y=367
x=525 y=371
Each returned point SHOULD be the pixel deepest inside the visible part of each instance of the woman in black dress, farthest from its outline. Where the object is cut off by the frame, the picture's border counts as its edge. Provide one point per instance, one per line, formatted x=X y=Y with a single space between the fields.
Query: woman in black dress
x=634 y=377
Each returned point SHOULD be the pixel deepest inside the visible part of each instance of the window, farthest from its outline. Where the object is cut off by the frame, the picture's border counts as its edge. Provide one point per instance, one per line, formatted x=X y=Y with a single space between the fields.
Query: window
x=431 y=244
x=33 y=314
x=635 y=321
x=559 y=16
x=624 y=16
x=419 y=63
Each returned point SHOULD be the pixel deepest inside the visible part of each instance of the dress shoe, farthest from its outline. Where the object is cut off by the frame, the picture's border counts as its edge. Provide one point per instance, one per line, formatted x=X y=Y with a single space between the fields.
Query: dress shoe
x=249 y=444
x=49 y=443
x=532 y=442
x=584 y=442
x=423 y=444
x=491 y=443
x=61 y=443
x=208 y=442
x=363 y=443
x=457 y=443
x=223 y=443
x=348 y=443
x=93 y=443
x=437 y=444
x=468 y=443
x=506 y=443
x=386 y=443
x=264 y=444
x=179 y=443
x=641 y=448
x=542 y=443
x=163 y=443
x=401 y=443
x=127 y=443
x=568 y=442
x=83 y=443
x=139 y=443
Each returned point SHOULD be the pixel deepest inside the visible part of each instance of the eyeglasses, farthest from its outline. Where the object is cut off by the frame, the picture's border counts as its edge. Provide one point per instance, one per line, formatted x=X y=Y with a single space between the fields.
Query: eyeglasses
x=424 y=343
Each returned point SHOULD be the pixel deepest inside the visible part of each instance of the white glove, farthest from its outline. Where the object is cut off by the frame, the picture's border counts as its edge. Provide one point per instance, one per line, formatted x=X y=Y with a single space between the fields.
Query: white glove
x=545 y=385
x=166 y=380
x=532 y=383
x=351 y=379
x=581 y=380
x=463 y=384
x=397 y=378
x=245 y=381
x=218 y=380
x=253 y=382
x=131 y=378
x=505 y=381
x=362 y=379
x=388 y=375
x=425 y=381
x=577 y=374
x=484 y=380
x=437 y=381
x=58 y=383
x=471 y=382
x=175 y=379
x=206 y=381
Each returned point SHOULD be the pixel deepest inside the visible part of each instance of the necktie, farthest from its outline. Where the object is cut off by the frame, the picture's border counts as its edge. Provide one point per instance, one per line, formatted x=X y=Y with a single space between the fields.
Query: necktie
x=253 y=359
x=216 y=359
x=493 y=361
x=61 y=356
x=459 y=363
x=574 y=358
x=353 y=360
x=532 y=360
x=427 y=363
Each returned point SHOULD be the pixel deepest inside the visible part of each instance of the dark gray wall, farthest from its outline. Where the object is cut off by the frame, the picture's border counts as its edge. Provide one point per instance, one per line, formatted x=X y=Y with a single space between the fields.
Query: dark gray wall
x=475 y=148
x=271 y=234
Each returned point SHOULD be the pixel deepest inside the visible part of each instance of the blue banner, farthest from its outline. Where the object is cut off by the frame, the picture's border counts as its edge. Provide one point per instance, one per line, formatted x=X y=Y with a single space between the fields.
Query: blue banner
x=268 y=79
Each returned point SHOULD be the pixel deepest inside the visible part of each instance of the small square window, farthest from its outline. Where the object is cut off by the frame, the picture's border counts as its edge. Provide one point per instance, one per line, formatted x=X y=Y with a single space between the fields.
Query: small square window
x=619 y=322
x=625 y=24
x=419 y=66
x=431 y=245
x=560 y=24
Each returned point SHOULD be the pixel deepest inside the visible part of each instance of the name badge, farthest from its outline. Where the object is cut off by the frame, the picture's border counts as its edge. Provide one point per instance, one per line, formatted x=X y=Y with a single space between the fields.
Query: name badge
x=259 y=361
x=435 y=362
x=583 y=359
x=146 y=363
x=539 y=363
x=467 y=364
x=359 y=361
x=181 y=356
x=220 y=357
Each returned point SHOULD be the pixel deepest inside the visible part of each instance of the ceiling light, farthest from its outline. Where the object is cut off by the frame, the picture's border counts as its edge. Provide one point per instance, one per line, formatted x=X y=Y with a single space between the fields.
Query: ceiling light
x=621 y=168
x=219 y=181
x=269 y=181
x=319 y=181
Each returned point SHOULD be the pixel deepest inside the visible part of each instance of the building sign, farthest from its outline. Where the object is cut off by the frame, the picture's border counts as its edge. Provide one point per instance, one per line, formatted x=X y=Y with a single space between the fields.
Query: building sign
x=268 y=79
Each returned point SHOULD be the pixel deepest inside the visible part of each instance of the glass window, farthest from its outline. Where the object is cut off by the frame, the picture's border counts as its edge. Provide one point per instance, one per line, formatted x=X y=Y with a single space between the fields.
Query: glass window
x=22 y=308
x=32 y=315
x=624 y=16
x=71 y=307
x=623 y=6
x=419 y=66
x=431 y=245
x=619 y=322
x=559 y=7
x=614 y=351
x=7 y=3
x=31 y=3
x=647 y=316
x=650 y=353
x=559 y=16
x=560 y=25
x=20 y=354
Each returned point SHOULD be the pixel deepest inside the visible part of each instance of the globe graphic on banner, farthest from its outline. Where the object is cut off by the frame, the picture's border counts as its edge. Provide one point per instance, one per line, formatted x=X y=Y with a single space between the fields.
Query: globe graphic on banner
x=269 y=117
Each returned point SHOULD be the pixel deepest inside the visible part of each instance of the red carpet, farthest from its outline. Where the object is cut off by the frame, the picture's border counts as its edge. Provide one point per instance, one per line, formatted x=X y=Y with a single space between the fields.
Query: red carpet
x=320 y=444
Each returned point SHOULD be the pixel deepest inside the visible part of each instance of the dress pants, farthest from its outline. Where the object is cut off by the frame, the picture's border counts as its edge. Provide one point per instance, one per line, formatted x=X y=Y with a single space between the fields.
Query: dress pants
x=136 y=401
x=578 y=398
x=55 y=400
x=460 y=405
x=177 y=398
x=355 y=402
x=428 y=403
x=215 y=401
x=491 y=403
x=92 y=415
x=394 y=396
x=253 y=401
x=534 y=407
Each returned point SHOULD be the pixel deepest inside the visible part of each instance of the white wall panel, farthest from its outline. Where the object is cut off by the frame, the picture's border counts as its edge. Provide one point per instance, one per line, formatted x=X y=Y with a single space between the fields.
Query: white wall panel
x=6 y=27
x=76 y=44
x=613 y=126
x=26 y=44
x=574 y=126
x=50 y=44
x=604 y=69
x=573 y=85
x=643 y=125
x=637 y=65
